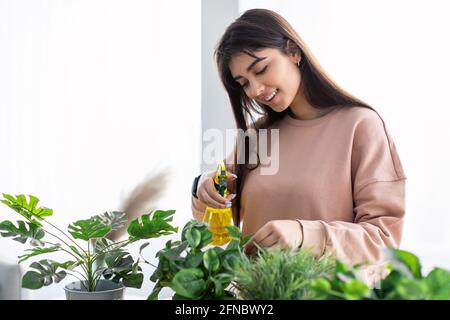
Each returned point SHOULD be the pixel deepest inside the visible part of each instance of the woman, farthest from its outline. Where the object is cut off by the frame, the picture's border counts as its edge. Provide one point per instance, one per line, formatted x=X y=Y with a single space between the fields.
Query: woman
x=340 y=186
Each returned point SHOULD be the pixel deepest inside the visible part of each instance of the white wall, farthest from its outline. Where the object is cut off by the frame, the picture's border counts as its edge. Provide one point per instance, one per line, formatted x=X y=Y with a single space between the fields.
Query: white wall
x=393 y=55
x=95 y=95
x=216 y=109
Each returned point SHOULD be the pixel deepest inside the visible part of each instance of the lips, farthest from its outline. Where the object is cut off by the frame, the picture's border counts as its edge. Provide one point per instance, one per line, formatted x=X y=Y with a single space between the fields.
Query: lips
x=270 y=96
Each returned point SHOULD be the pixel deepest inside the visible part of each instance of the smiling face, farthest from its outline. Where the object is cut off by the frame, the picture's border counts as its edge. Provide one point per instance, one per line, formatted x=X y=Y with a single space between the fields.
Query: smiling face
x=273 y=79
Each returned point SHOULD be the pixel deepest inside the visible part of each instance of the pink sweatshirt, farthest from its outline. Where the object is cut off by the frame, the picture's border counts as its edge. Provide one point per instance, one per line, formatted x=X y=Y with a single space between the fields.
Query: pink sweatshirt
x=340 y=176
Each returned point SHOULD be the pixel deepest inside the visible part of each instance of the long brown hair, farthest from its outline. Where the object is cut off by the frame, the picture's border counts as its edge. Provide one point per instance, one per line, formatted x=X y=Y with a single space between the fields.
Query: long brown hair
x=254 y=30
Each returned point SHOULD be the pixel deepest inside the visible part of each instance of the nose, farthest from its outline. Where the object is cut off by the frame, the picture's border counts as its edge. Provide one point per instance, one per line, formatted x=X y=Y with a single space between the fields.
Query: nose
x=256 y=89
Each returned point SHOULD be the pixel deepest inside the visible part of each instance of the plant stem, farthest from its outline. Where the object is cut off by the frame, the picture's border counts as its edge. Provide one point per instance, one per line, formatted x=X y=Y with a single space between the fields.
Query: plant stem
x=118 y=243
x=65 y=235
x=103 y=251
x=63 y=249
x=148 y=262
x=81 y=281
x=90 y=276
x=83 y=265
x=82 y=275
x=90 y=272
x=97 y=277
x=46 y=231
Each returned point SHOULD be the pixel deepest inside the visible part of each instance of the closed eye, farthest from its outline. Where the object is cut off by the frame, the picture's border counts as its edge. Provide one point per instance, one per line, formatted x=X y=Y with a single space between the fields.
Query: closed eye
x=262 y=71
x=257 y=73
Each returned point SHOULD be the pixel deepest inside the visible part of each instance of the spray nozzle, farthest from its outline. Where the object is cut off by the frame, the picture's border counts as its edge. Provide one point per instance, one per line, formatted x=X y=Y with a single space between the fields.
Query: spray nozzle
x=220 y=180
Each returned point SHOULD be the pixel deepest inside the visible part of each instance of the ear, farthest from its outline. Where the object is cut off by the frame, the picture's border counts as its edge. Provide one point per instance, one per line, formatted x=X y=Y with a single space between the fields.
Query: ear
x=293 y=51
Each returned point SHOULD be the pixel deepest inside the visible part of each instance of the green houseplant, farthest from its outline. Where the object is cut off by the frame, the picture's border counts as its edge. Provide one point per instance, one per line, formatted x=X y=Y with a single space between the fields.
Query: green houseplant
x=196 y=270
x=275 y=274
x=297 y=274
x=98 y=263
x=405 y=281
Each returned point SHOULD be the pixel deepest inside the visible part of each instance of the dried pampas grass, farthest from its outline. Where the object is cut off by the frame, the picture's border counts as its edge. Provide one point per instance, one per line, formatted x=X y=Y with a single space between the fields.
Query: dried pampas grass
x=142 y=199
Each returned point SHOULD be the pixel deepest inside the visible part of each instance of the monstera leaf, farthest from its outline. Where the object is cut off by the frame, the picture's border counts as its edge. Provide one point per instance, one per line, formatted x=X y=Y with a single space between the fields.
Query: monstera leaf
x=47 y=273
x=116 y=219
x=38 y=251
x=68 y=265
x=121 y=266
x=28 y=209
x=105 y=245
x=151 y=225
x=21 y=233
x=89 y=229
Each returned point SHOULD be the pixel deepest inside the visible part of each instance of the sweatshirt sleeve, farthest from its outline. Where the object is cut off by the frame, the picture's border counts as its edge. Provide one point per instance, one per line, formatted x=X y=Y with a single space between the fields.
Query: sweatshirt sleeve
x=378 y=184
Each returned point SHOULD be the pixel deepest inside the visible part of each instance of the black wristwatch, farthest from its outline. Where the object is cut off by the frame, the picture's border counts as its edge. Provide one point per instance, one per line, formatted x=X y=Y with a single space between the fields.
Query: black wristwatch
x=195 y=185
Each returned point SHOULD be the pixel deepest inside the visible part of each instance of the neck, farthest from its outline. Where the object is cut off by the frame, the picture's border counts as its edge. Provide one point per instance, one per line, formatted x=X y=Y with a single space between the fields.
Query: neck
x=301 y=109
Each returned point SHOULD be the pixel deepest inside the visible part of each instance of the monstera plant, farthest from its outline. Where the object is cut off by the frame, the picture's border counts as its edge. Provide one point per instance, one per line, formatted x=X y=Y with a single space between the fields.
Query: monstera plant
x=93 y=259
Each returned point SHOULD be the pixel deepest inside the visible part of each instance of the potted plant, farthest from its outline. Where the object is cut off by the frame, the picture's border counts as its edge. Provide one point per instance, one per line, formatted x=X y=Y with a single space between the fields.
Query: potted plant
x=196 y=270
x=103 y=267
x=404 y=281
x=297 y=274
x=274 y=274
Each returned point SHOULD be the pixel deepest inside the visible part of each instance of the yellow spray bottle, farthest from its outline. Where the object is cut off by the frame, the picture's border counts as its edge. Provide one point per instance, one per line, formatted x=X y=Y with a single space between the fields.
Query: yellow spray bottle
x=218 y=219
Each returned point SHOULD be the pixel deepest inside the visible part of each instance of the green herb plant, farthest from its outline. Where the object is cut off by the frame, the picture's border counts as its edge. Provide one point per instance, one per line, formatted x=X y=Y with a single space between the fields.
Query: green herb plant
x=97 y=258
x=194 y=269
x=276 y=273
x=404 y=281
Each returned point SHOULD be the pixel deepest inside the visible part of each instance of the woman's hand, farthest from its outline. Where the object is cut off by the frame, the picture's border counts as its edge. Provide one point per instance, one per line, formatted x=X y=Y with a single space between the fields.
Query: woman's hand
x=207 y=193
x=282 y=233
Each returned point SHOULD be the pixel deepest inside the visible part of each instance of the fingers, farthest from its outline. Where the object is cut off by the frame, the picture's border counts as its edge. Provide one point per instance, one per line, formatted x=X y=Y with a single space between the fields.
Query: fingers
x=208 y=194
x=231 y=176
x=230 y=197
x=231 y=181
x=269 y=242
x=212 y=193
x=259 y=237
x=210 y=202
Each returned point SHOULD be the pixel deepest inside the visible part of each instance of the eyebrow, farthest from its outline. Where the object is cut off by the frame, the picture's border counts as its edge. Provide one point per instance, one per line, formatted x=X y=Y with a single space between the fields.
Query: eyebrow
x=250 y=66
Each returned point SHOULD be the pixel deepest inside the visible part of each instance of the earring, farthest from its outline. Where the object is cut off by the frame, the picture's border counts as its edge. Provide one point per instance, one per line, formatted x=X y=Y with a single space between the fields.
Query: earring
x=298 y=63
